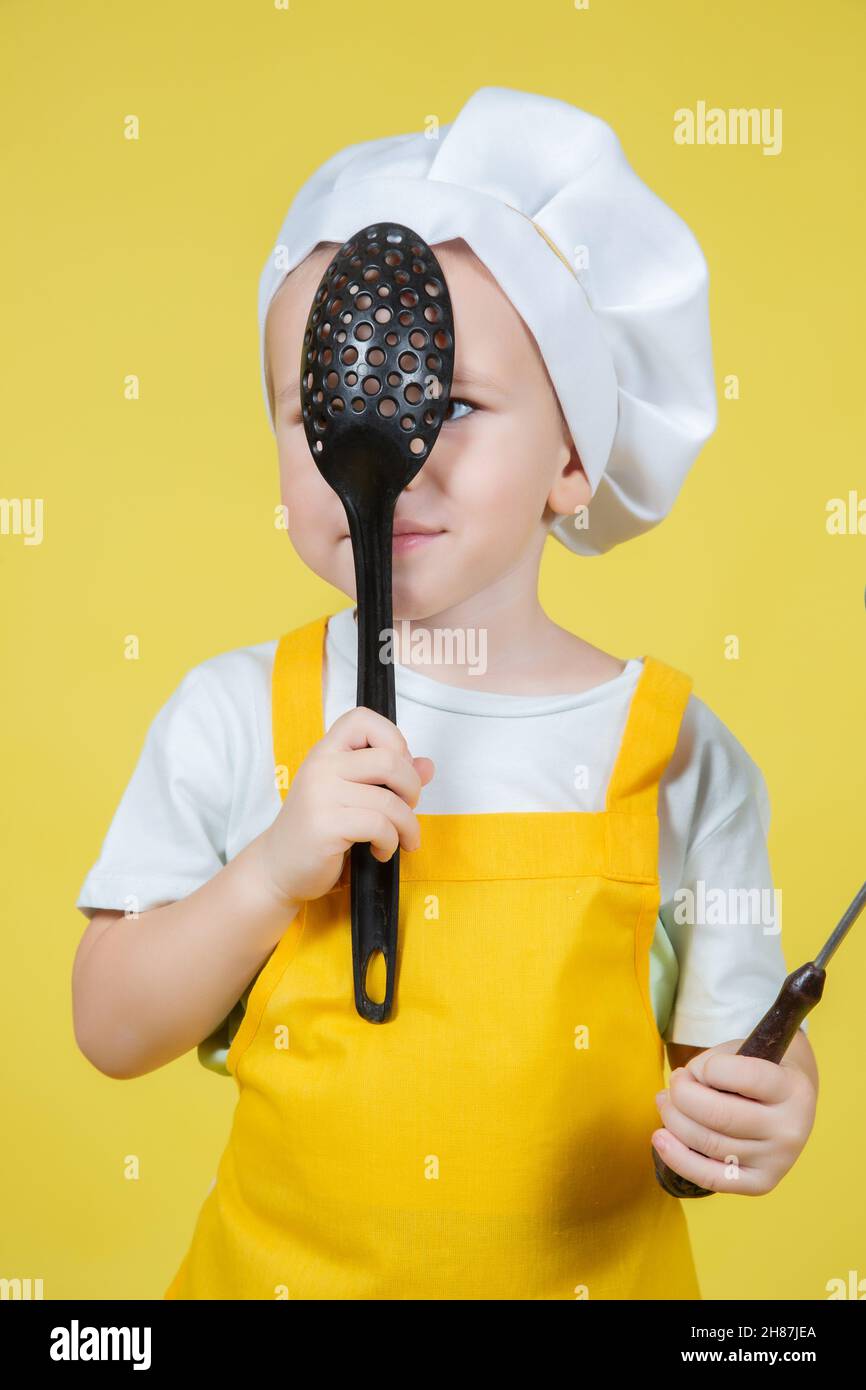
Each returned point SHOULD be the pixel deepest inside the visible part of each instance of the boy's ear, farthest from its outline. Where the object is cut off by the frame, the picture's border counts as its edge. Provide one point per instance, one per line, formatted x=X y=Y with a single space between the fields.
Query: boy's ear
x=570 y=487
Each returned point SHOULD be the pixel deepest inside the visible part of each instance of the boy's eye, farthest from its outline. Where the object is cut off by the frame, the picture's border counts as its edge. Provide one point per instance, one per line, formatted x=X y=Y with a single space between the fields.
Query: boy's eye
x=455 y=400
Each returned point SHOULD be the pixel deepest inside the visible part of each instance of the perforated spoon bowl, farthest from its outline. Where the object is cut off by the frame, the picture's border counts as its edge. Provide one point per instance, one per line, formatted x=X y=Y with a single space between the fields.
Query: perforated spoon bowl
x=376 y=369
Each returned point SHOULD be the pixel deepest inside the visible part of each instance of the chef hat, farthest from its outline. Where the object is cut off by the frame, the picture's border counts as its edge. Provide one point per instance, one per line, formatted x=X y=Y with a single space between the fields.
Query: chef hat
x=610 y=281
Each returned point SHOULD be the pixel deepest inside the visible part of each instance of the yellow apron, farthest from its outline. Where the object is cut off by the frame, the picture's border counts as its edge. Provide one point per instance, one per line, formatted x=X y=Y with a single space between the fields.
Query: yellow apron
x=491 y=1140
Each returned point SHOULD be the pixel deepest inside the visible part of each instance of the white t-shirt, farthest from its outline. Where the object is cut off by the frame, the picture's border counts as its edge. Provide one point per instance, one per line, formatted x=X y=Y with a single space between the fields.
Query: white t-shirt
x=204 y=787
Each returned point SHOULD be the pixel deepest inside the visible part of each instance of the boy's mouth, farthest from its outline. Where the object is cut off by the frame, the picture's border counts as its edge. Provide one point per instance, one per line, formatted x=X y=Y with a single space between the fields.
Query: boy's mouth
x=411 y=540
x=409 y=535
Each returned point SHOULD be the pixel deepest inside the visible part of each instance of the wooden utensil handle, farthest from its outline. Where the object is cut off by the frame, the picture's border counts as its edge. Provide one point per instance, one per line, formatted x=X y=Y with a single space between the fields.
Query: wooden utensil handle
x=770 y=1039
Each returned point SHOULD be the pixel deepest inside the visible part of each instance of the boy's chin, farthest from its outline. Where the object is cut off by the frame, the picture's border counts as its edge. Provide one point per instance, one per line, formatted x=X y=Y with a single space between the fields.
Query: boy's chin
x=415 y=600
x=405 y=608
x=418 y=610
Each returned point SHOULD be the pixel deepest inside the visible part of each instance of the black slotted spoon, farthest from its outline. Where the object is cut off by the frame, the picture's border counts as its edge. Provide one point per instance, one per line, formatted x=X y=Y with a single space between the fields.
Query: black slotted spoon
x=376 y=368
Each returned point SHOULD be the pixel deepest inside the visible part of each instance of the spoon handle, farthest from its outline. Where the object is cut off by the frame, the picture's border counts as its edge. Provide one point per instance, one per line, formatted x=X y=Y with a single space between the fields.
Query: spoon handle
x=375 y=891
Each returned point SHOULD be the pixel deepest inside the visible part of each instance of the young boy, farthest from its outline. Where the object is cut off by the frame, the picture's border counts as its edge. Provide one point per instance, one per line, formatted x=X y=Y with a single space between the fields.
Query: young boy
x=550 y=804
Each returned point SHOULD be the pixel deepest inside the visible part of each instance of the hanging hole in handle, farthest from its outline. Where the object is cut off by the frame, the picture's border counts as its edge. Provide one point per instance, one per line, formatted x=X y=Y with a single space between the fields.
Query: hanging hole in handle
x=376 y=977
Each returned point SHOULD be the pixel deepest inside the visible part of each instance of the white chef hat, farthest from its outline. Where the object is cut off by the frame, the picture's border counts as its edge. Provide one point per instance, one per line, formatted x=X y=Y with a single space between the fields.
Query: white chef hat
x=611 y=281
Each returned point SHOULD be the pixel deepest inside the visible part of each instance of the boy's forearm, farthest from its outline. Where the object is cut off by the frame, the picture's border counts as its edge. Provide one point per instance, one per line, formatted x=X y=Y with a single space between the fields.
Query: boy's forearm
x=154 y=986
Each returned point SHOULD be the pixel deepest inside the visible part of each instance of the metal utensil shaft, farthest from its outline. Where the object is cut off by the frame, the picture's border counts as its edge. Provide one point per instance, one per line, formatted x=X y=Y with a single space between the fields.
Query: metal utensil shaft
x=773 y=1034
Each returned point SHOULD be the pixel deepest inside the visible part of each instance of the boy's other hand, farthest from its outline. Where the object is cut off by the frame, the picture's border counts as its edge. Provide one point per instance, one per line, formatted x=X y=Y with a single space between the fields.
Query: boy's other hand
x=737 y=1124
x=358 y=784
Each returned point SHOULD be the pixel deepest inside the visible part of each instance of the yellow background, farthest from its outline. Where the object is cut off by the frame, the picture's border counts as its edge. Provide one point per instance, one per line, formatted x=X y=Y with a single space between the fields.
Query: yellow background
x=143 y=257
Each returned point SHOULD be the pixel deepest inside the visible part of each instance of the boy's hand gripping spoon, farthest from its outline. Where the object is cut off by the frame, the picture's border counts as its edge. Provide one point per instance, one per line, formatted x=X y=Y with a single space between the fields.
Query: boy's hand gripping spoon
x=772 y=1037
x=376 y=368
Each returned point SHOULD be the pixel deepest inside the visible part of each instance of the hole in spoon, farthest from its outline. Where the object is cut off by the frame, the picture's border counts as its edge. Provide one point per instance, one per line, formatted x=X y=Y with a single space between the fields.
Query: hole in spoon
x=376 y=977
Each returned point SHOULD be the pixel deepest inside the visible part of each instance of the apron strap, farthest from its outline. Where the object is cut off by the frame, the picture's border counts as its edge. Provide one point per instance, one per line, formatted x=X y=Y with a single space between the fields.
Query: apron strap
x=297 y=718
x=650 y=737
